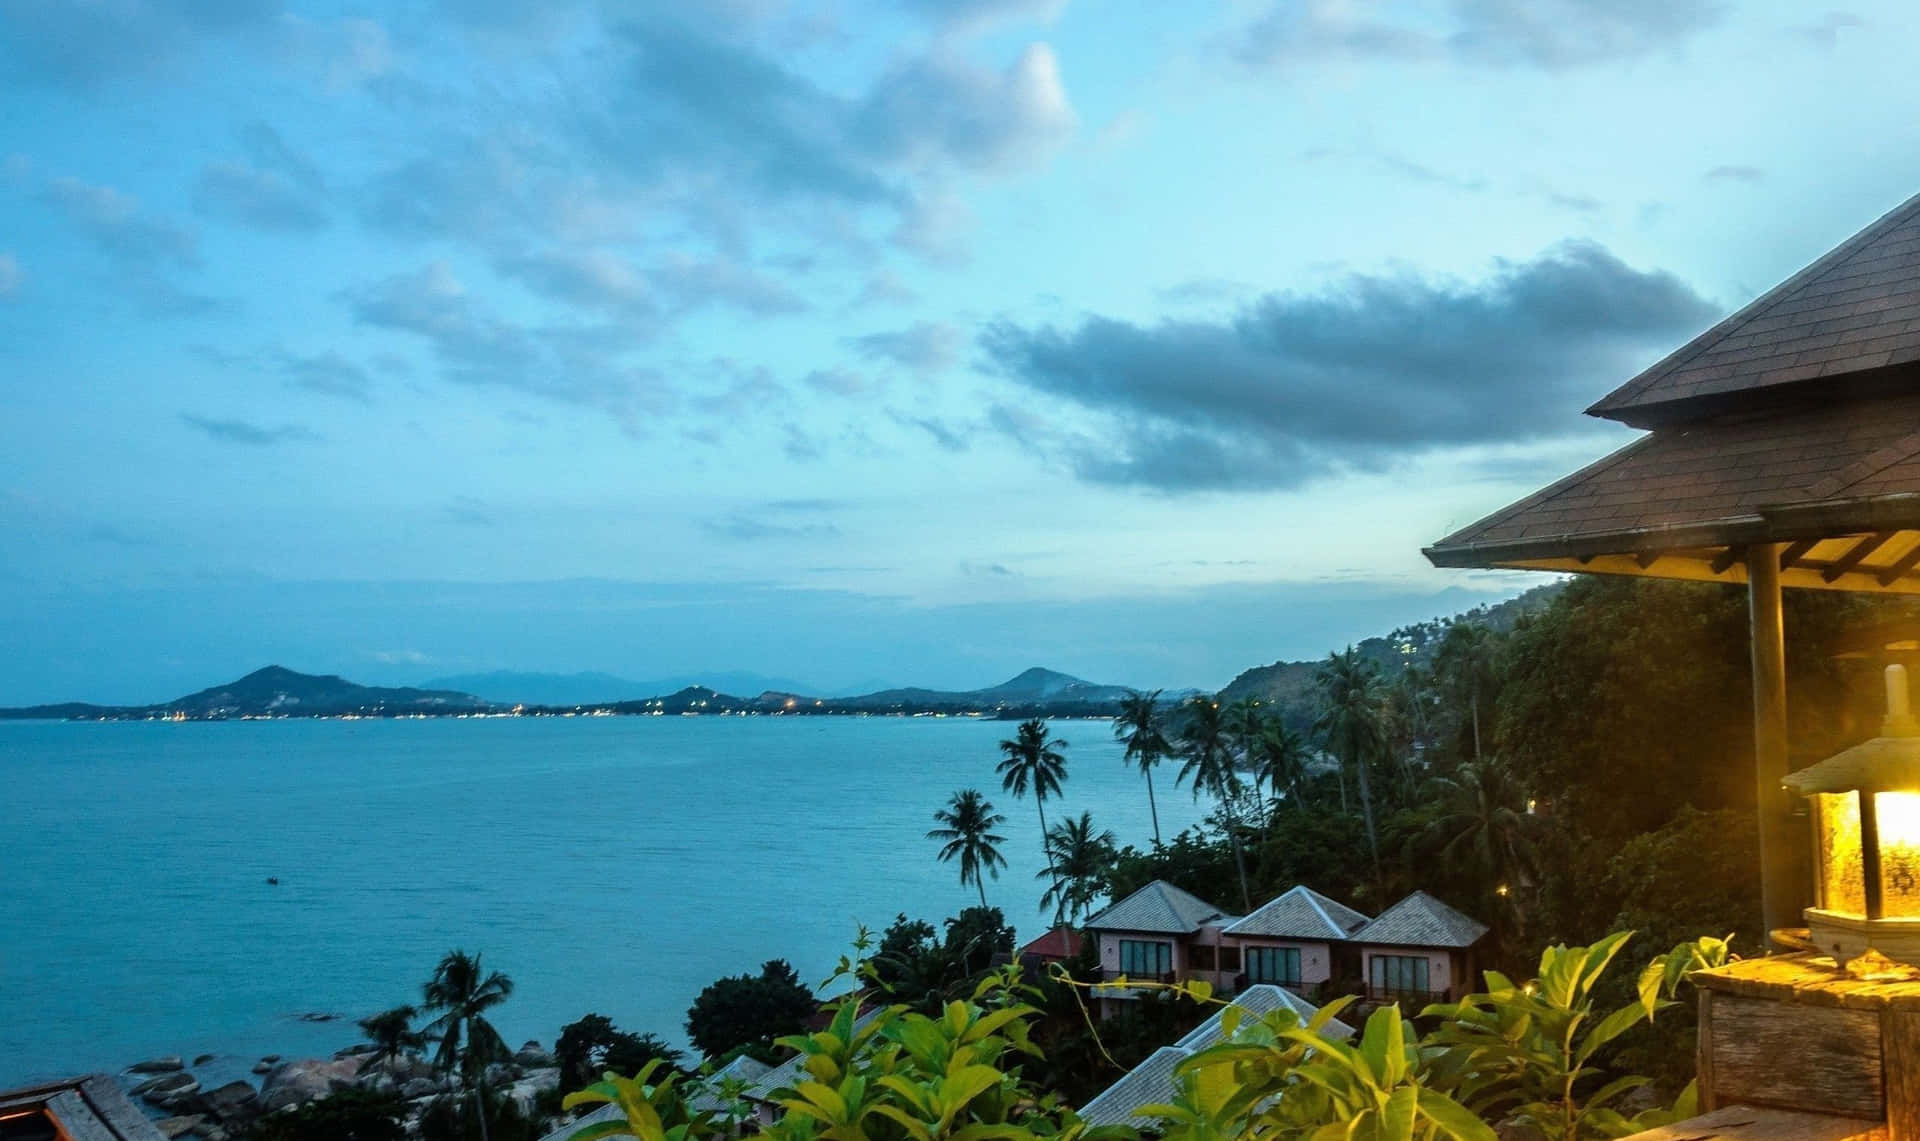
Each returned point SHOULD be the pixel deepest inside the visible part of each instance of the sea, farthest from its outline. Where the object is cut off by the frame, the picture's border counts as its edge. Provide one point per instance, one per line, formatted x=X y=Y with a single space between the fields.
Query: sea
x=607 y=865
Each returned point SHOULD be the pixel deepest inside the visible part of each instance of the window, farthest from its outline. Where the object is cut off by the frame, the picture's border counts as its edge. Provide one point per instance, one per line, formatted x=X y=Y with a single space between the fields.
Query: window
x=1145 y=959
x=1229 y=958
x=1200 y=957
x=1274 y=965
x=1400 y=974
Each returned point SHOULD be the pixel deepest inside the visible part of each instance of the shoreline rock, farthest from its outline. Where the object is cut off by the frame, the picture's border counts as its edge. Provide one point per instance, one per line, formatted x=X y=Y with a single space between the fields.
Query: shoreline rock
x=165 y=1065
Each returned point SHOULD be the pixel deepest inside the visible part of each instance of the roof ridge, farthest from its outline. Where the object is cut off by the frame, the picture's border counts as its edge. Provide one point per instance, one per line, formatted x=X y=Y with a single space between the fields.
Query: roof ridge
x=1624 y=397
x=1313 y=897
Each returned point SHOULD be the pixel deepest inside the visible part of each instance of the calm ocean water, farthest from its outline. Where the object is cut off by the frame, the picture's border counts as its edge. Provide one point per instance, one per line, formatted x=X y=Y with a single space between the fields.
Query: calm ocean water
x=613 y=865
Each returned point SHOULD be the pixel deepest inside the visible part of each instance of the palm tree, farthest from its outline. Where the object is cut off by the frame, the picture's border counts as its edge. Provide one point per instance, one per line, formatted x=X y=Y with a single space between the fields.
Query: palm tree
x=1350 y=723
x=392 y=1032
x=1033 y=760
x=1081 y=859
x=1464 y=665
x=1244 y=721
x=1483 y=829
x=1139 y=725
x=463 y=993
x=967 y=824
x=1208 y=765
x=1281 y=759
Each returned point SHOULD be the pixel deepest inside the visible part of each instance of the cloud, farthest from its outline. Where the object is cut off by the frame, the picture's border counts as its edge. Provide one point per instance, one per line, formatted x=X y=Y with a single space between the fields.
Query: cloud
x=262 y=199
x=82 y=45
x=697 y=283
x=329 y=374
x=1825 y=32
x=751 y=529
x=1294 y=386
x=885 y=288
x=1551 y=35
x=948 y=437
x=976 y=15
x=578 y=364
x=468 y=511
x=837 y=381
x=926 y=347
x=1735 y=174
x=941 y=107
x=11 y=275
x=590 y=278
x=116 y=224
x=246 y=432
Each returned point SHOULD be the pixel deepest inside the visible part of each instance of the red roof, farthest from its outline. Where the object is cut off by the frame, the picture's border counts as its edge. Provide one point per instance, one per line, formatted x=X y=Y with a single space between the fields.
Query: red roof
x=1059 y=943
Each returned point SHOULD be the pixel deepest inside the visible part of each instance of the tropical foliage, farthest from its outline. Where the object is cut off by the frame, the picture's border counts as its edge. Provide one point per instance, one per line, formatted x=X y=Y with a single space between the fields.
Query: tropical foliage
x=750 y=1012
x=1031 y=759
x=967 y=826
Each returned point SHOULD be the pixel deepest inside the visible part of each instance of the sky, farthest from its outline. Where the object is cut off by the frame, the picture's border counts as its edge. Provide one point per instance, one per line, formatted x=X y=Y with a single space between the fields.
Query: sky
x=916 y=342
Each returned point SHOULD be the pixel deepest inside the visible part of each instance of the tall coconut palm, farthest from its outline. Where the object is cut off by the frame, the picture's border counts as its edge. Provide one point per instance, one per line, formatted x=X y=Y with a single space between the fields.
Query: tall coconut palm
x=1206 y=749
x=1483 y=832
x=1281 y=760
x=1140 y=726
x=1033 y=761
x=1081 y=859
x=392 y=1034
x=966 y=825
x=1244 y=722
x=1463 y=664
x=463 y=993
x=1350 y=723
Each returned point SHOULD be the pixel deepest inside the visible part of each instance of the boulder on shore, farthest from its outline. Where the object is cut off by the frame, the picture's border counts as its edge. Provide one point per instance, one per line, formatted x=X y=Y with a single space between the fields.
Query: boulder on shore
x=527 y=1090
x=262 y=1066
x=235 y=1103
x=172 y=1127
x=156 y=1091
x=298 y=1082
x=202 y=1059
x=416 y=1088
x=534 y=1057
x=164 y=1065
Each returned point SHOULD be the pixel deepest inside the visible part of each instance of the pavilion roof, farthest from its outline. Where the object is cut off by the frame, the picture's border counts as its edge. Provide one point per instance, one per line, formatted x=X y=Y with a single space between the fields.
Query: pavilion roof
x=1795 y=421
x=1855 y=309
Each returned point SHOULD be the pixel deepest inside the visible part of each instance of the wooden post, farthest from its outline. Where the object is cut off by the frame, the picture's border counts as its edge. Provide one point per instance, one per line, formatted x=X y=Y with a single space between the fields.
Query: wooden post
x=1780 y=904
x=1900 y=1032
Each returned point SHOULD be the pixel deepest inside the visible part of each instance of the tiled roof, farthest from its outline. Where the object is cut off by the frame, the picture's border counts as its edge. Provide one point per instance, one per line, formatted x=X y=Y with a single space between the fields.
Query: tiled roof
x=1711 y=481
x=1420 y=920
x=90 y=1108
x=1301 y=913
x=1059 y=943
x=604 y=1113
x=706 y=1093
x=1151 y=1082
x=1855 y=309
x=1158 y=907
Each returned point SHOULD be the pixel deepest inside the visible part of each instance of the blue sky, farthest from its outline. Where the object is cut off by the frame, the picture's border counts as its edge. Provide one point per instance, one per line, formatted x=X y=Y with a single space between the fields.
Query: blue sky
x=917 y=341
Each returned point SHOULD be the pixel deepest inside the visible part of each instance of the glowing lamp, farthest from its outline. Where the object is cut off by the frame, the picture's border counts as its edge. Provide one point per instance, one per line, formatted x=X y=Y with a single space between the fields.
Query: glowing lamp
x=1866 y=819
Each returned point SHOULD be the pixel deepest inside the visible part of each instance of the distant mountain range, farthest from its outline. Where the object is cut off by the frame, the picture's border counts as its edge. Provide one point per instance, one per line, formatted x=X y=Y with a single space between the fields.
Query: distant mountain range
x=513 y=687
x=279 y=692
x=273 y=692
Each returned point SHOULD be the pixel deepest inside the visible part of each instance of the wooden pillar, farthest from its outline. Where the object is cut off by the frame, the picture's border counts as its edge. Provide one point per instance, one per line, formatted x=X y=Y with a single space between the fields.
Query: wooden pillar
x=1780 y=903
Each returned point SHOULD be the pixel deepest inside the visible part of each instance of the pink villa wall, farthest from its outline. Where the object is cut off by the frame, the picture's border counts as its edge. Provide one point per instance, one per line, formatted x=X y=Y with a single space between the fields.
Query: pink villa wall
x=1316 y=959
x=1110 y=949
x=1440 y=965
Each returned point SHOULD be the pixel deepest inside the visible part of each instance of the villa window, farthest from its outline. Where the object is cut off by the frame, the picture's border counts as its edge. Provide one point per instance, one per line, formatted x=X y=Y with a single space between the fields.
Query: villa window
x=1400 y=974
x=1147 y=960
x=1200 y=958
x=1230 y=958
x=1274 y=965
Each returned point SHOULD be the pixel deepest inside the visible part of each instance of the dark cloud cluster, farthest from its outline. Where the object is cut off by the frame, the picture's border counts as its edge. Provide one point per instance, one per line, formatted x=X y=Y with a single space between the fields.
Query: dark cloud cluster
x=1295 y=385
x=246 y=432
x=1552 y=35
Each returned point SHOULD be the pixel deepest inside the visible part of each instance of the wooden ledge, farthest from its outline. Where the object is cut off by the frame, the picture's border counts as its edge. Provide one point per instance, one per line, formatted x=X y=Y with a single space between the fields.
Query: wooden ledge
x=1741 y=1123
x=1810 y=980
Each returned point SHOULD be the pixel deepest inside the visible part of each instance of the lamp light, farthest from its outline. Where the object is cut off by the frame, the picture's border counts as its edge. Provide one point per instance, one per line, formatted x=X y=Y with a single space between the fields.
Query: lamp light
x=1866 y=819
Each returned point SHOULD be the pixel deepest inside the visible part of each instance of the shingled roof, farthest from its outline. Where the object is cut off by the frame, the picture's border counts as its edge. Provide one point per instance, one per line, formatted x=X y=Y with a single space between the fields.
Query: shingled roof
x=1420 y=920
x=90 y=1108
x=1792 y=422
x=1160 y=908
x=1151 y=1082
x=1853 y=310
x=1301 y=913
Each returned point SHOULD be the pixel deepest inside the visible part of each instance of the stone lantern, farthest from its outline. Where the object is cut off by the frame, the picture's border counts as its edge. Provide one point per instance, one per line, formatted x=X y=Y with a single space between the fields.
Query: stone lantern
x=1866 y=818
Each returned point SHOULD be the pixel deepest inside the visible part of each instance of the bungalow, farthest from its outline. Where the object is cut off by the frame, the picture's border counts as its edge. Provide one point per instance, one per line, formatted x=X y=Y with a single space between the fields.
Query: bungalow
x=1151 y=1082
x=91 y=1107
x=1060 y=945
x=1298 y=940
x=1162 y=934
x=1419 y=949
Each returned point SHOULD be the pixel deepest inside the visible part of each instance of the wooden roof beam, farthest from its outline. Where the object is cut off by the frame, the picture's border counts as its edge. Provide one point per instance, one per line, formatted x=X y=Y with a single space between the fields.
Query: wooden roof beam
x=1900 y=566
x=1724 y=561
x=1855 y=553
x=1795 y=551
